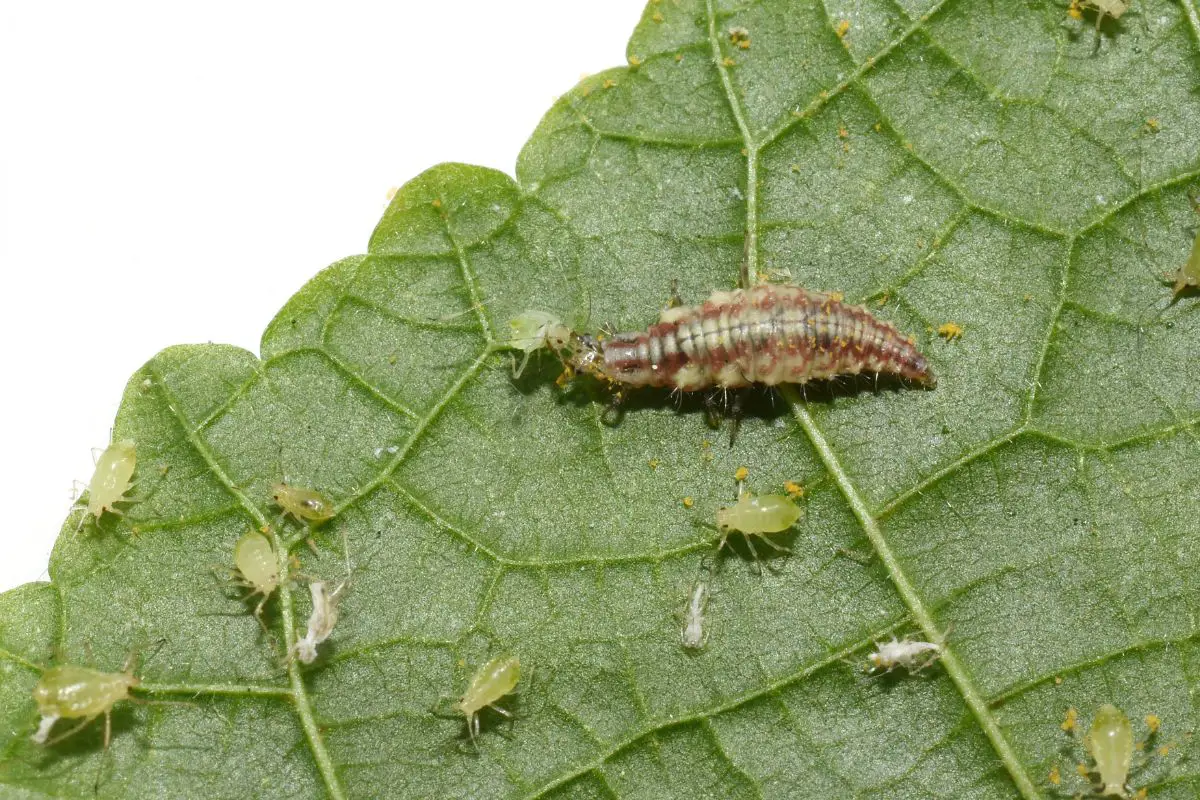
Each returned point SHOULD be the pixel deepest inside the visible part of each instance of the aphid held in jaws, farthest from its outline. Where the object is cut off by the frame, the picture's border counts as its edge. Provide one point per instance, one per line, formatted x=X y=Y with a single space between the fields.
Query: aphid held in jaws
x=256 y=568
x=308 y=505
x=79 y=693
x=912 y=655
x=770 y=334
x=534 y=330
x=112 y=479
x=1110 y=743
x=490 y=682
x=694 y=634
x=320 y=622
x=1188 y=276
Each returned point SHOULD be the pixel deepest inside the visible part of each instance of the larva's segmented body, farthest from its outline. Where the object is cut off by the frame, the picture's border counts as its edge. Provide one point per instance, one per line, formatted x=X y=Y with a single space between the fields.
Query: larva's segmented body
x=770 y=334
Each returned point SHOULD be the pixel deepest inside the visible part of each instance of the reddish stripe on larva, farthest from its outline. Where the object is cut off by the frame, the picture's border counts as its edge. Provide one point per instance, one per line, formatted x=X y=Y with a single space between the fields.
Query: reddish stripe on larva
x=769 y=334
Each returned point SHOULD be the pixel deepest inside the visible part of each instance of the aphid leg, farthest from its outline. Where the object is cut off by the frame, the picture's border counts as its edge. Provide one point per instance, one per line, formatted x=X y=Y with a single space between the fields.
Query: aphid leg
x=56 y=739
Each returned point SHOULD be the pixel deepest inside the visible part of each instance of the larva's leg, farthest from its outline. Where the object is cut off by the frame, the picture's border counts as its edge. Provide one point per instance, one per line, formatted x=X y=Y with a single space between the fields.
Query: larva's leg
x=613 y=413
x=675 y=300
x=735 y=419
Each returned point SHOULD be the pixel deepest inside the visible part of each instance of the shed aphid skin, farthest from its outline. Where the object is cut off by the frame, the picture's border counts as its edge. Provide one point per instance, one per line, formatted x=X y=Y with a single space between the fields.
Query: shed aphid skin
x=1110 y=744
x=490 y=682
x=70 y=692
x=111 y=480
x=768 y=335
x=534 y=330
x=256 y=568
x=695 y=633
x=908 y=653
x=757 y=515
x=306 y=505
x=321 y=620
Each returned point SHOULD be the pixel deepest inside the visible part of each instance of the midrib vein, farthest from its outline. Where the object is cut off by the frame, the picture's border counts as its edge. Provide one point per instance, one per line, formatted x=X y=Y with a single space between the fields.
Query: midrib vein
x=908 y=594
x=299 y=692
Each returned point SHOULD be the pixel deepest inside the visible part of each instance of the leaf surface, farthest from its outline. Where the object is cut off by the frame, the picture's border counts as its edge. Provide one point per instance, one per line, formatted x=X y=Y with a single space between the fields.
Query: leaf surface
x=963 y=161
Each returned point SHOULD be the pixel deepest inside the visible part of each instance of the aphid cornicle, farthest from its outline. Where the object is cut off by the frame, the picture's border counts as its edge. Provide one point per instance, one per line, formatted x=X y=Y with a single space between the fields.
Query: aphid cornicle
x=769 y=334
x=910 y=654
x=69 y=692
x=490 y=682
x=256 y=568
x=321 y=620
x=111 y=480
x=308 y=505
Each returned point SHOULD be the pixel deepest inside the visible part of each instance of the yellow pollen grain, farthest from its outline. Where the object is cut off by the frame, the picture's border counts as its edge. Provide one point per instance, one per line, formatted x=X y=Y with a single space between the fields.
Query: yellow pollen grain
x=843 y=28
x=688 y=502
x=1068 y=724
x=437 y=203
x=609 y=83
x=793 y=489
x=1083 y=770
x=950 y=331
x=1055 y=777
x=657 y=16
x=634 y=61
x=729 y=62
x=654 y=462
x=679 y=56
x=1153 y=722
x=741 y=474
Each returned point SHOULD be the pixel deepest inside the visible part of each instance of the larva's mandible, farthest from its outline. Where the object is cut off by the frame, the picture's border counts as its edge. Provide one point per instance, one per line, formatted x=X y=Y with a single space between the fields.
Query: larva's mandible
x=770 y=334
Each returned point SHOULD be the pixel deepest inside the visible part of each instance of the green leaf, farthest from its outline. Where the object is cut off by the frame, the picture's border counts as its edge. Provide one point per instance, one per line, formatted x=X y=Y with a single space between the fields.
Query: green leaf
x=966 y=161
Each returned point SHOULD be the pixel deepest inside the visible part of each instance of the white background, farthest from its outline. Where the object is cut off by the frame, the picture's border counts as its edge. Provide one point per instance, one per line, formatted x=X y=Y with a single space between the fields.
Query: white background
x=172 y=173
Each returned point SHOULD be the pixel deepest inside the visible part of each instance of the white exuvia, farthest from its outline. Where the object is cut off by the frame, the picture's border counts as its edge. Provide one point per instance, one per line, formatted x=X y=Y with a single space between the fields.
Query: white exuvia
x=320 y=622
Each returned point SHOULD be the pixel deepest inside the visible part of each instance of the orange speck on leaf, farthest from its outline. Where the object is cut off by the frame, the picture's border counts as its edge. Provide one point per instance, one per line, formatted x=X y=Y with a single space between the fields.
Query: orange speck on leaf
x=843 y=27
x=793 y=489
x=741 y=474
x=950 y=331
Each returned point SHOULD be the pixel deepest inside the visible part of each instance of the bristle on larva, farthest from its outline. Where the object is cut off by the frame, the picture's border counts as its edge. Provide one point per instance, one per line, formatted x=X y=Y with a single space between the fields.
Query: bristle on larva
x=769 y=334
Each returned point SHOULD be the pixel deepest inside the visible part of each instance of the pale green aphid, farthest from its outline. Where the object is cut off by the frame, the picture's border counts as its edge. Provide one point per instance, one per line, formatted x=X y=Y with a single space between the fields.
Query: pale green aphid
x=112 y=479
x=1110 y=744
x=79 y=693
x=303 y=504
x=534 y=330
x=256 y=567
x=1188 y=276
x=490 y=682
x=756 y=515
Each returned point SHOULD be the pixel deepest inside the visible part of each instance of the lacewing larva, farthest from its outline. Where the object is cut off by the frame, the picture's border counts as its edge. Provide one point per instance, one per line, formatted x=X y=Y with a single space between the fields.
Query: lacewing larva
x=769 y=335
x=256 y=568
x=70 y=692
x=111 y=480
x=307 y=505
x=1110 y=744
x=321 y=620
x=695 y=634
x=908 y=653
x=489 y=684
